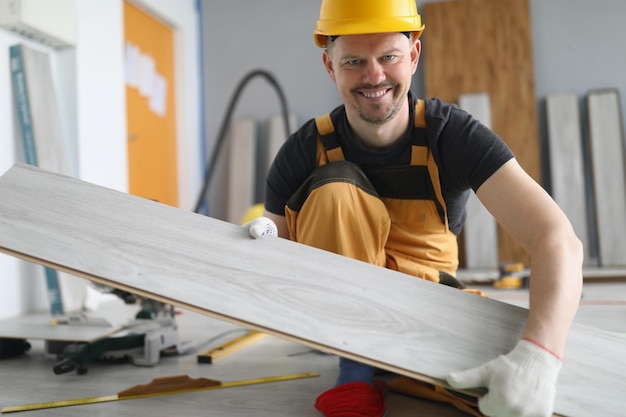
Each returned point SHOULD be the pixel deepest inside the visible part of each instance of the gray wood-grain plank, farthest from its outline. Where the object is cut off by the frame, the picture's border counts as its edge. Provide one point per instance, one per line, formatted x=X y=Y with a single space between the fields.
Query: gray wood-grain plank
x=241 y=168
x=606 y=145
x=40 y=326
x=566 y=162
x=480 y=230
x=326 y=301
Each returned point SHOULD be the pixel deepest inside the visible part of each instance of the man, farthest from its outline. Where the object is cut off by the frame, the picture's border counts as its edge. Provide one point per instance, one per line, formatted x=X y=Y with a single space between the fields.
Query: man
x=384 y=178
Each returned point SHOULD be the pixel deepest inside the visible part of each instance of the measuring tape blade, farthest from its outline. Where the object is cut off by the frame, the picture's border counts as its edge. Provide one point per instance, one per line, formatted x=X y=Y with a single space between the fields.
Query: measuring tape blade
x=57 y=404
x=116 y=397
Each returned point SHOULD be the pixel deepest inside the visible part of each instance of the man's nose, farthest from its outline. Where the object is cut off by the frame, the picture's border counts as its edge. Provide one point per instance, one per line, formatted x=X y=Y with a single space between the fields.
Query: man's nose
x=374 y=73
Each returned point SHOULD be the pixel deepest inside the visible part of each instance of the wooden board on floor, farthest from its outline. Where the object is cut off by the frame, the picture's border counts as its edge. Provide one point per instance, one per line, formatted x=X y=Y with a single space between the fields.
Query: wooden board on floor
x=326 y=301
x=484 y=276
x=566 y=161
x=472 y=46
x=606 y=146
x=40 y=326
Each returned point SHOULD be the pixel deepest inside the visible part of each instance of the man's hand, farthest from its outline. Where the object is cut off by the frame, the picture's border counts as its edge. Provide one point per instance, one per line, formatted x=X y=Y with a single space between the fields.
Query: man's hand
x=261 y=227
x=521 y=383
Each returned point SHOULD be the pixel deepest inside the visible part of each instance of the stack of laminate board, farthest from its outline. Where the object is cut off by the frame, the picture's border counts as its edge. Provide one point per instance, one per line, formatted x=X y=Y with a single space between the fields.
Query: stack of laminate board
x=588 y=178
x=606 y=148
x=323 y=300
x=43 y=145
x=588 y=172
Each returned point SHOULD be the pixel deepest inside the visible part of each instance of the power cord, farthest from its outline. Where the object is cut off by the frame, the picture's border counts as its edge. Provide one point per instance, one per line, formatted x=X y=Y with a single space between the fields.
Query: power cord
x=226 y=122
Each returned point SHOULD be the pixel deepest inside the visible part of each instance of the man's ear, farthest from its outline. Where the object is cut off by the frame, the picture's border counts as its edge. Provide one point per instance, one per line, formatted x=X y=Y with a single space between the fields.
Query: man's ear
x=328 y=64
x=416 y=51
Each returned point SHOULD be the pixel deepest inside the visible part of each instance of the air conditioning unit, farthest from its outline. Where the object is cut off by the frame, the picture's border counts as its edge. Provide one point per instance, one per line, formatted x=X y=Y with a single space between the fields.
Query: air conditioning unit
x=51 y=22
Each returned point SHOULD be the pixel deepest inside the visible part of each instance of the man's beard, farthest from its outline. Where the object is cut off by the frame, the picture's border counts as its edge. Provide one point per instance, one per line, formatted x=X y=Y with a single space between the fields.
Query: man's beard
x=374 y=117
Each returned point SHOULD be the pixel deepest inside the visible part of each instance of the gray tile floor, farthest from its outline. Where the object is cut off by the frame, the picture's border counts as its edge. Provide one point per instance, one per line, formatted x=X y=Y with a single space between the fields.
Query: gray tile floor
x=29 y=379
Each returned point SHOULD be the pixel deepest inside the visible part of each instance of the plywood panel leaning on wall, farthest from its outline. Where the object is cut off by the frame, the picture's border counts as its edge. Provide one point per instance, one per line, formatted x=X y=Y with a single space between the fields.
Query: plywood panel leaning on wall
x=474 y=46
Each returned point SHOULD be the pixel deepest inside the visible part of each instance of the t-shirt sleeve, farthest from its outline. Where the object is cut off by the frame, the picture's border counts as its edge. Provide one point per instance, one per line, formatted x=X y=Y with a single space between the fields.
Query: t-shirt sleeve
x=469 y=152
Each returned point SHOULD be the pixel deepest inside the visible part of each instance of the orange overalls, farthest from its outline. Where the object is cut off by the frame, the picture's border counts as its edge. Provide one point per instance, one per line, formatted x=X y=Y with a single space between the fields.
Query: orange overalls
x=394 y=217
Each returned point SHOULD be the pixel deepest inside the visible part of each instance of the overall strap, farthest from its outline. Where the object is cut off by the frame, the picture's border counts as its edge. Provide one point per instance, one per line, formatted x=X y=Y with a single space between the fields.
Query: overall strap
x=420 y=150
x=421 y=155
x=327 y=141
x=329 y=150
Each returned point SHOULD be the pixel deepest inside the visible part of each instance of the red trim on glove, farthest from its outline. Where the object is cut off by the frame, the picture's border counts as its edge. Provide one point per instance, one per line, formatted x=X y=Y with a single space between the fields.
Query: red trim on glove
x=544 y=348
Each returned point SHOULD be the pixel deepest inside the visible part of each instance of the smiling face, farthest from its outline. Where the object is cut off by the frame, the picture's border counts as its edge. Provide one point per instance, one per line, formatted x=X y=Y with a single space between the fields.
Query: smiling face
x=373 y=74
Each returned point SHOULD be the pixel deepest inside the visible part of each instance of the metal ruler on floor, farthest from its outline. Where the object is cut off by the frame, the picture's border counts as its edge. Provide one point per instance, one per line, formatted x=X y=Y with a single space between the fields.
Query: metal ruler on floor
x=212 y=355
x=157 y=387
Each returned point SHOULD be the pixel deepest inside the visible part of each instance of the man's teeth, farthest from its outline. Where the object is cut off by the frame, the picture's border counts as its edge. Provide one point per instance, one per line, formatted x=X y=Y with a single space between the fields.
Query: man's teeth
x=375 y=95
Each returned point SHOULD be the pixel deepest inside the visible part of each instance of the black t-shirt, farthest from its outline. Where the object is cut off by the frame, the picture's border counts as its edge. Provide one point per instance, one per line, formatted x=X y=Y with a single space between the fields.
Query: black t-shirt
x=467 y=153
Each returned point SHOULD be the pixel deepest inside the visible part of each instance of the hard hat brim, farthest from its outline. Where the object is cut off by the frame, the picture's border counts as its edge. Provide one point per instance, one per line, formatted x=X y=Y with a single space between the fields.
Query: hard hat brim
x=361 y=27
x=321 y=40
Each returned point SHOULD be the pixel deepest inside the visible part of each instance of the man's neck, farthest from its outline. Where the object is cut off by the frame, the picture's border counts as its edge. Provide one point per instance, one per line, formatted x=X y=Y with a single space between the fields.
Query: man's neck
x=380 y=136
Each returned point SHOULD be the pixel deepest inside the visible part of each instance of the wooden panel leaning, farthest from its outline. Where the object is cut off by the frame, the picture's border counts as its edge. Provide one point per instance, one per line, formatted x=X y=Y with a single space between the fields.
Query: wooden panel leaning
x=44 y=146
x=474 y=46
x=606 y=146
x=242 y=146
x=480 y=231
x=329 y=302
x=566 y=162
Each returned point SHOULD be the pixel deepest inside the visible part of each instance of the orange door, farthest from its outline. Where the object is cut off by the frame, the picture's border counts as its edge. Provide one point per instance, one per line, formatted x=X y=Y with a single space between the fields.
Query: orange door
x=149 y=53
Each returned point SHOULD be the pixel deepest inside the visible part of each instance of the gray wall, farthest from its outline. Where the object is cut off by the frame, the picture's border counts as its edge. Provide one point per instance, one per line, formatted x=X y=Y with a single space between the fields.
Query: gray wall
x=275 y=35
x=579 y=45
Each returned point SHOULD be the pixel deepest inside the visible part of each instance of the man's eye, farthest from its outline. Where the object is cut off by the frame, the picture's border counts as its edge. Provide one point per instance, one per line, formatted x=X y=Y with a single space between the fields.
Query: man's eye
x=388 y=57
x=353 y=62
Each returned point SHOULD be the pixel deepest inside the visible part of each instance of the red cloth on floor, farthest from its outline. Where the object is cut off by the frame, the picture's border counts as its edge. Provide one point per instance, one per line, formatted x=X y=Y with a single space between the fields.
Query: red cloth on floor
x=355 y=399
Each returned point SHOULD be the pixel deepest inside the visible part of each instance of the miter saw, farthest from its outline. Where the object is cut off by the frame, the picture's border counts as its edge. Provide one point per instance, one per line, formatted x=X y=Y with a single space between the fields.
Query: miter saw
x=152 y=333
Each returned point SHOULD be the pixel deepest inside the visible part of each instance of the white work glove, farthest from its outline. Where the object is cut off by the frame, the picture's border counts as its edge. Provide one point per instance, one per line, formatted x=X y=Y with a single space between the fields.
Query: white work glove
x=521 y=383
x=261 y=227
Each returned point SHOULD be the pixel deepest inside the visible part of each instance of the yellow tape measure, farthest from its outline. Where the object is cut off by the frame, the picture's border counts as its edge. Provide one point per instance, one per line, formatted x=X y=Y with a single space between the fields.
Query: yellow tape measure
x=157 y=387
x=56 y=404
x=212 y=355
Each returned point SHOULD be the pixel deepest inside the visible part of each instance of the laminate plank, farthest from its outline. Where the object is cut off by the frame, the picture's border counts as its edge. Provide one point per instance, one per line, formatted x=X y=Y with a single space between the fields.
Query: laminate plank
x=566 y=161
x=241 y=168
x=40 y=326
x=606 y=145
x=331 y=303
x=45 y=120
x=43 y=145
x=480 y=231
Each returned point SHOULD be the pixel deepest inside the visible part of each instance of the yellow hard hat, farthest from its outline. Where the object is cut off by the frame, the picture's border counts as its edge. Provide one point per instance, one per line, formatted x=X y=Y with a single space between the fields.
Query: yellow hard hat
x=358 y=17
